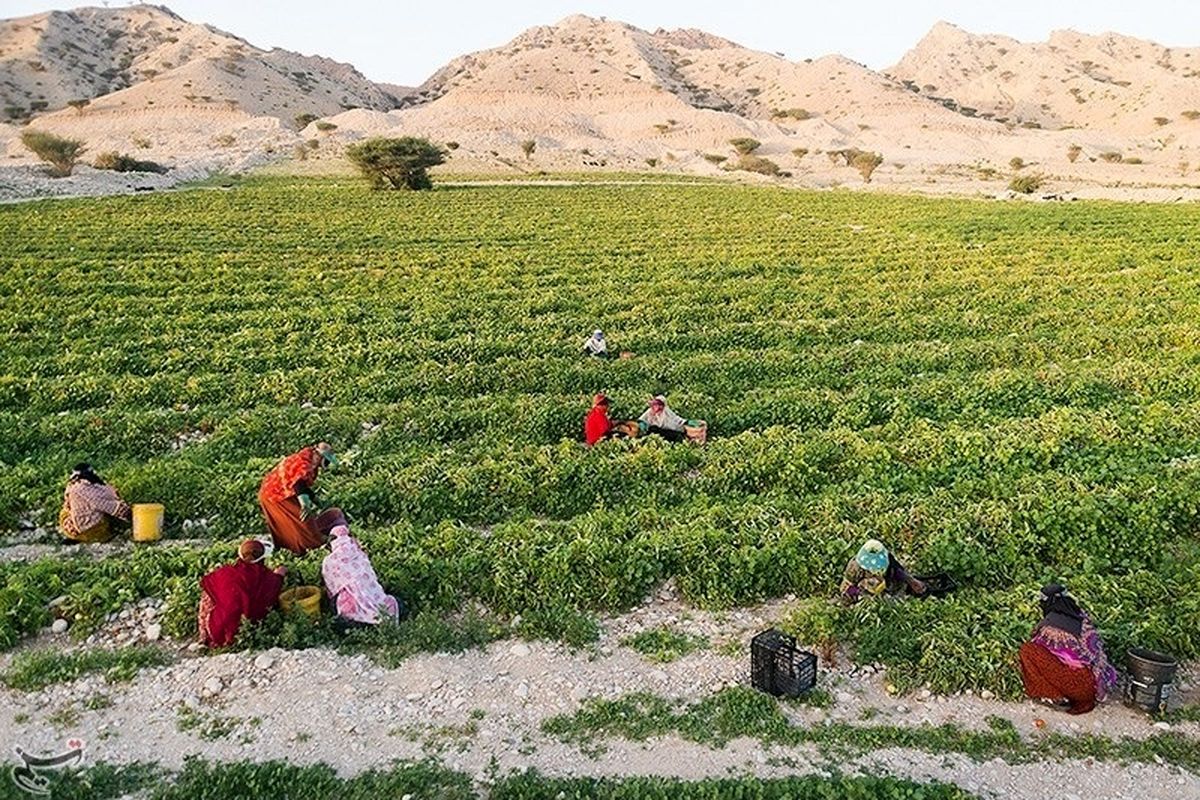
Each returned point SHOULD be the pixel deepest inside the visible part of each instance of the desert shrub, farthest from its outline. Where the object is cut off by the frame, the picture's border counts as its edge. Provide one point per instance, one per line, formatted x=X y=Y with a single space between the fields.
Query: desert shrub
x=304 y=120
x=715 y=158
x=119 y=162
x=1017 y=163
x=60 y=153
x=1026 y=184
x=1112 y=157
x=528 y=146
x=1073 y=152
x=757 y=164
x=300 y=152
x=744 y=145
x=847 y=155
x=800 y=152
x=652 y=162
x=396 y=163
x=225 y=140
x=140 y=142
x=452 y=145
x=79 y=105
x=326 y=127
x=313 y=144
x=1160 y=121
x=1191 y=115
x=866 y=164
x=1133 y=160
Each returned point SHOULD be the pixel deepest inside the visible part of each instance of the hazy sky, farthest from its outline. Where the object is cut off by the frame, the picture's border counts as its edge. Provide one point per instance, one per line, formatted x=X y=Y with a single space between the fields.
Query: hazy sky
x=405 y=41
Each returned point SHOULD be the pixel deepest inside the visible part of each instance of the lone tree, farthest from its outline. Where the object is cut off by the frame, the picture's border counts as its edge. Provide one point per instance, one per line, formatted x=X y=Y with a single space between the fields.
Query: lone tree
x=528 y=146
x=79 y=105
x=866 y=163
x=61 y=154
x=396 y=163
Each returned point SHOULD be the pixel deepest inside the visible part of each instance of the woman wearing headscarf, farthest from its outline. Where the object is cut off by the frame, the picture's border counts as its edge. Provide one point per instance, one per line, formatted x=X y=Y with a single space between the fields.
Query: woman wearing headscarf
x=596 y=345
x=1063 y=663
x=90 y=507
x=873 y=572
x=289 y=500
x=660 y=419
x=245 y=588
x=352 y=584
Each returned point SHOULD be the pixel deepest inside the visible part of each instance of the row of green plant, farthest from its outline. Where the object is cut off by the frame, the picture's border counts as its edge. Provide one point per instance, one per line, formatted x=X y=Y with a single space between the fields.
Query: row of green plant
x=37 y=669
x=1002 y=393
x=739 y=712
x=202 y=780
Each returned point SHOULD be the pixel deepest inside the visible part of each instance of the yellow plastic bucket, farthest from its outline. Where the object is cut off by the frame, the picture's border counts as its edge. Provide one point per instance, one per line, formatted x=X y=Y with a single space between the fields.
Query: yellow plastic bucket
x=305 y=599
x=147 y=522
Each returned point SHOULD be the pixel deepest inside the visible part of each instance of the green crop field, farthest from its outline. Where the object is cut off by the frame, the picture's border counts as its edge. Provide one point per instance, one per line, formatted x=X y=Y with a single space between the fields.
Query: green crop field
x=1007 y=392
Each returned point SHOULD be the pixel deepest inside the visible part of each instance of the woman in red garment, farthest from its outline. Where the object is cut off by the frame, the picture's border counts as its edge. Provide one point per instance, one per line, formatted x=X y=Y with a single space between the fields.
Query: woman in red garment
x=289 y=501
x=597 y=425
x=246 y=588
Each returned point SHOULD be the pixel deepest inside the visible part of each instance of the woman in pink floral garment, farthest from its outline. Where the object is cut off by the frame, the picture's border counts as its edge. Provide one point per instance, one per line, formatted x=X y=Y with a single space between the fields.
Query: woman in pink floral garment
x=352 y=584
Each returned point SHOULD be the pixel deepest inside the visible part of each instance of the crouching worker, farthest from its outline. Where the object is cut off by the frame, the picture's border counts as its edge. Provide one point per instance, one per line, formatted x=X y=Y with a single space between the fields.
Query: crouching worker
x=91 y=508
x=289 y=500
x=598 y=426
x=874 y=572
x=1063 y=663
x=596 y=345
x=245 y=588
x=659 y=419
x=352 y=584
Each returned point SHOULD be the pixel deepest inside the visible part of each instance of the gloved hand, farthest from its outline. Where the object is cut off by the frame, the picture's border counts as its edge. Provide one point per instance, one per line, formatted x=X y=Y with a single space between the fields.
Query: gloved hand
x=307 y=506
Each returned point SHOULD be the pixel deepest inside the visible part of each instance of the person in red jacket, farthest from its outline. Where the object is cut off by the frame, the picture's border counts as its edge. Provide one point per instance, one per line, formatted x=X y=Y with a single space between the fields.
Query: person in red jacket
x=245 y=589
x=597 y=425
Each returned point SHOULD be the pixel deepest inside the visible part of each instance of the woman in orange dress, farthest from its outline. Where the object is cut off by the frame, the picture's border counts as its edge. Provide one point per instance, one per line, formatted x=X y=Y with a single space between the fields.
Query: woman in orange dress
x=289 y=500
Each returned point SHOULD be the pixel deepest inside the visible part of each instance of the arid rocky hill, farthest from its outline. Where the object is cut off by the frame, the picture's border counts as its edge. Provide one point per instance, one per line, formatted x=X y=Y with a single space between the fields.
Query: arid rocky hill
x=141 y=57
x=961 y=112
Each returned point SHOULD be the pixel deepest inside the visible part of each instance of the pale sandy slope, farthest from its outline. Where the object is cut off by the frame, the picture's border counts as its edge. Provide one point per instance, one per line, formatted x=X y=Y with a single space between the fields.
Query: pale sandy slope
x=953 y=116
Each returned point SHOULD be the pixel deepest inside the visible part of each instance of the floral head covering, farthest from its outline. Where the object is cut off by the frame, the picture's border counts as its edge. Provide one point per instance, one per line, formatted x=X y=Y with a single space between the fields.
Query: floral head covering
x=873 y=557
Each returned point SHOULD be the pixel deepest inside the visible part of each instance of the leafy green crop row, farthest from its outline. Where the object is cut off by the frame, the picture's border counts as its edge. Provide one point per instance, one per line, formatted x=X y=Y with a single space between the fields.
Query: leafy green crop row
x=201 y=780
x=1007 y=393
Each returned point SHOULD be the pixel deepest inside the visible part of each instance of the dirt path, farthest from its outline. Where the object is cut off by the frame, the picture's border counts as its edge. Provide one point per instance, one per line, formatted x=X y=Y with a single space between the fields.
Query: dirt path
x=484 y=708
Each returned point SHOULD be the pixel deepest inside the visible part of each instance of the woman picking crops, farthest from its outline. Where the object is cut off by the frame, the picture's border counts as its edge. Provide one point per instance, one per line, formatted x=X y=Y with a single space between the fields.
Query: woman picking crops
x=245 y=588
x=289 y=502
x=352 y=583
x=873 y=572
x=596 y=345
x=90 y=507
x=660 y=419
x=1063 y=663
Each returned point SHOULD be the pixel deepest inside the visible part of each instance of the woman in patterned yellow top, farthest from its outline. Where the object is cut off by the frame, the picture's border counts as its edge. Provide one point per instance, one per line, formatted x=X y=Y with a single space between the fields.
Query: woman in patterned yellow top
x=90 y=507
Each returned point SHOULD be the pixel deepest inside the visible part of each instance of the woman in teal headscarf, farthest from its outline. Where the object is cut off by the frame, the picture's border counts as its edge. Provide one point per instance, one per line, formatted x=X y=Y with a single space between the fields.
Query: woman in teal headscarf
x=875 y=571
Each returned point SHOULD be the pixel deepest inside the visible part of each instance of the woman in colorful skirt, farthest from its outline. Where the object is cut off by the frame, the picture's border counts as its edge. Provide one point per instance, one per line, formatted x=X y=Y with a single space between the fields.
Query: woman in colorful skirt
x=1063 y=663
x=90 y=507
x=289 y=501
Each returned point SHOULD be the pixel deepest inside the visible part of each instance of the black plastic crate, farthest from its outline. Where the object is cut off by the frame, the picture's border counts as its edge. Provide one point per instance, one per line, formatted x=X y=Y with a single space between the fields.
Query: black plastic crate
x=778 y=667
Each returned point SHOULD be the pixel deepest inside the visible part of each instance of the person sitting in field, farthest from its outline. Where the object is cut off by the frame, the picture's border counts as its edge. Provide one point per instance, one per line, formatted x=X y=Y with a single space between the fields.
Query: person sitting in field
x=597 y=426
x=245 y=588
x=1063 y=663
x=91 y=508
x=595 y=345
x=659 y=419
x=873 y=572
x=289 y=501
x=352 y=585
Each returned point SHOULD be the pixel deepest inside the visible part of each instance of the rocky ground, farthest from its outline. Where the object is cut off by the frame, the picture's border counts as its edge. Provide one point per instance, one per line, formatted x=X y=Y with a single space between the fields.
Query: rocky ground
x=483 y=709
